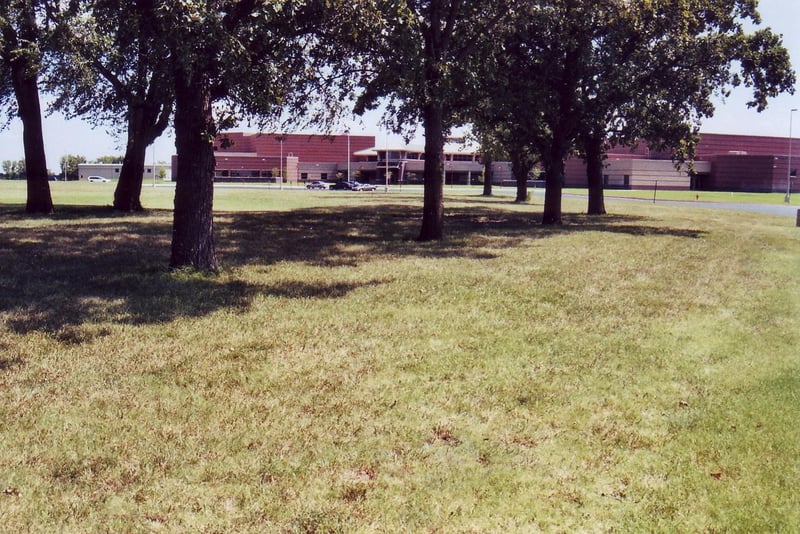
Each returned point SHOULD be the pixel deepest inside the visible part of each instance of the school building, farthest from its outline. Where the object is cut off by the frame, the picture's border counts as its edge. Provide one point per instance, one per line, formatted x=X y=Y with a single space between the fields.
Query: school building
x=723 y=162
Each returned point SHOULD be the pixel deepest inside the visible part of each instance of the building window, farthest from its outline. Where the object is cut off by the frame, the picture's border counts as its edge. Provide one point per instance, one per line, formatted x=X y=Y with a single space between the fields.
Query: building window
x=323 y=176
x=116 y=170
x=149 y=171
x=304 y=176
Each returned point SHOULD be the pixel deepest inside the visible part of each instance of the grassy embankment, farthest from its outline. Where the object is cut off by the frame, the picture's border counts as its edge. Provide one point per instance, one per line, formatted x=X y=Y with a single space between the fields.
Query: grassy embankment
x=635 y=372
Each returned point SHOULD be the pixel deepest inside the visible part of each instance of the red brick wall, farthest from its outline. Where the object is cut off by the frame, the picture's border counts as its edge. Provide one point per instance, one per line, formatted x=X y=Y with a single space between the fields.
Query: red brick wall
x=306 y=147
x=753 y=145
x=743 y=173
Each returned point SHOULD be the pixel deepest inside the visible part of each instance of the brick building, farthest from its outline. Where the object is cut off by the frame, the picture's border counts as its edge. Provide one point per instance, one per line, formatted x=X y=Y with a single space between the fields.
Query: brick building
x=723 y=162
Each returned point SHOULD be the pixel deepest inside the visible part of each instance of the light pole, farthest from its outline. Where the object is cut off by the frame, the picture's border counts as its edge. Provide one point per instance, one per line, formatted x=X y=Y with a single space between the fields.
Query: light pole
x=788 y=198
x=348 y=154
x=386 y=165
x=280 y=139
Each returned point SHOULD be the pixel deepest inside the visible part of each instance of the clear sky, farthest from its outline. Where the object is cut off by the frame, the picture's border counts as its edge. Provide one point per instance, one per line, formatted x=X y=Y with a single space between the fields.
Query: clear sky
x=732 y=116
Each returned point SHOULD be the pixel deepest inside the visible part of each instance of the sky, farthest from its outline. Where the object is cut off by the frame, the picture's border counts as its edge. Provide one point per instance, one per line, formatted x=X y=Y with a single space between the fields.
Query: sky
x=732 y=115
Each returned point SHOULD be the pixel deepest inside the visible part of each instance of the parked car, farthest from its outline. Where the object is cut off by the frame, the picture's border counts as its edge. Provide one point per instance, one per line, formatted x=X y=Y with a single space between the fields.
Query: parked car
x=366 y=187
x=318 y=184
x=352 y=185
x=344 y=184
x=97 y=179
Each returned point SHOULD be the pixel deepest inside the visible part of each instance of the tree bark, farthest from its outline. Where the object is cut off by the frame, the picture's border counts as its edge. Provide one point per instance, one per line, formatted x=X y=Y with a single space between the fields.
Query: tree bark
x=488 y=174
x=433 y=202
x=554 y=182
x=146 y=121
x=520 y=168
x=25 y=82
x=193 y=228
x=27 y=93
x=127 y=195
x=594 y=175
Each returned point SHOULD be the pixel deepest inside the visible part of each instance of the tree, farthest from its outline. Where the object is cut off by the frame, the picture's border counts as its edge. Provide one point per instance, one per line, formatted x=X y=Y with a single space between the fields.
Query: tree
x=612 y=71
x=654 y=69
x=420 y=58
x=14 y=170
x=530 y=86
x=111 y=65
x=231 y=58
x=20 y=62
x=69 y=165
x=112 y=160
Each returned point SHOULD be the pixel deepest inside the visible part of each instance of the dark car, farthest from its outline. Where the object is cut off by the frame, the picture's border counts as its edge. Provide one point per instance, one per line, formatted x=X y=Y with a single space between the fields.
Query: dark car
x=319 y=184
x=344 y=185
x=352 y=185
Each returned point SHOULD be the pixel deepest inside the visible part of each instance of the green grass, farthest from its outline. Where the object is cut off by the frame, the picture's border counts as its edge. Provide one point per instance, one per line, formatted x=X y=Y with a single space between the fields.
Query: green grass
x=636 y=372
x=693 y=196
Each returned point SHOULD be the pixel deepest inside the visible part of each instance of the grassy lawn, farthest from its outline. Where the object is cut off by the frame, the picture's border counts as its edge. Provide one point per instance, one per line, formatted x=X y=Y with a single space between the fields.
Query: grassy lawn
x=703 y=196
x=637 y=372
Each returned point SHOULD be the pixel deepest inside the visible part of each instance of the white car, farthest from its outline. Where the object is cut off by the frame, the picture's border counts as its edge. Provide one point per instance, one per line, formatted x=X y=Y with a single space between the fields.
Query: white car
x=97 y=179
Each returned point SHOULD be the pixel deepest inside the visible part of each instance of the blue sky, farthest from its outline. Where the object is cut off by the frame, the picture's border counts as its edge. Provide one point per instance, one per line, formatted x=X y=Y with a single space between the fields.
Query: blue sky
x=732 y=116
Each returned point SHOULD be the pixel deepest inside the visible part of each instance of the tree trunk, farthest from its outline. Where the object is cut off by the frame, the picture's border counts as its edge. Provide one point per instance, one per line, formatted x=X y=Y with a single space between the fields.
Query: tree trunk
x=127 y=196
x=193 y=228
x=488 y=174
x=520 y=168
x=39 y=198
x=594 y=175
x=433 y=203
x=554 y=182
x=24 y=79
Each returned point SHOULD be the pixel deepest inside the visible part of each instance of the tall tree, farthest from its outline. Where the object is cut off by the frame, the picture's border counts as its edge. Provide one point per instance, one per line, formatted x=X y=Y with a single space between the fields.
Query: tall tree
x=230 y=58
x=20 y=62
x=532 y=88
x=112 y=65
x=69 y=165
x=420 y=59
x=654 y=69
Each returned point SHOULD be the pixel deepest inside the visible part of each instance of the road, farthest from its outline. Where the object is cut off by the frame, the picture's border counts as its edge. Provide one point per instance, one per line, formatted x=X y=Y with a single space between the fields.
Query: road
x=783 y=210
x=786 y=210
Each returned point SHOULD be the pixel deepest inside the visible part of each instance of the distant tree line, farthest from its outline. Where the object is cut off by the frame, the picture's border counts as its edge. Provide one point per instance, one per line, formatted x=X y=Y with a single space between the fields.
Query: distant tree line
x=68 y=167
x=536 y=80
x=14 y=170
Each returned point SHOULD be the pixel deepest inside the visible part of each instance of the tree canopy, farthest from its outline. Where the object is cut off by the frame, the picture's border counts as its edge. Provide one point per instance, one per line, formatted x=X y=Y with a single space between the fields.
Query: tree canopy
x=422 y=59
x=111 y=67
x=574 y=77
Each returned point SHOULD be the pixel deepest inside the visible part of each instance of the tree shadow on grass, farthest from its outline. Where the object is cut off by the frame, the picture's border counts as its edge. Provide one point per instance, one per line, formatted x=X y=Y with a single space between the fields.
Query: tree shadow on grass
x=86 y=265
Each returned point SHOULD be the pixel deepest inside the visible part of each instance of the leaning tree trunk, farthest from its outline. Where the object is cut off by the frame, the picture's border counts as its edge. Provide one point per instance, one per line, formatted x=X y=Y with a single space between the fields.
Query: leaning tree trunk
x=594 y=176
x=433 y=202
x=24 y=80
x=193 y=228
x=39 y=198
x=127 y=196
